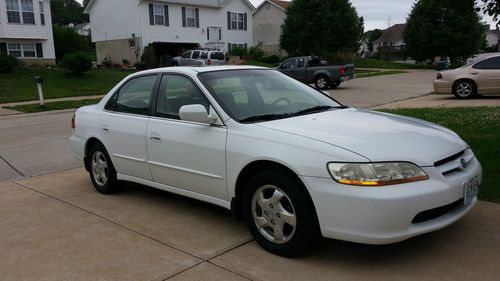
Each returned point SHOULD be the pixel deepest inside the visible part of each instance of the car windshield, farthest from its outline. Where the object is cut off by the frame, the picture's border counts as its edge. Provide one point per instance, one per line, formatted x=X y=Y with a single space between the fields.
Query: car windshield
x=256 y=95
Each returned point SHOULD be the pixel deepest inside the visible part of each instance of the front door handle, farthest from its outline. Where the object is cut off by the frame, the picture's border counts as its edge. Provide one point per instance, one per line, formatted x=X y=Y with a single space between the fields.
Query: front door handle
x=474 y=73
x=156 y=139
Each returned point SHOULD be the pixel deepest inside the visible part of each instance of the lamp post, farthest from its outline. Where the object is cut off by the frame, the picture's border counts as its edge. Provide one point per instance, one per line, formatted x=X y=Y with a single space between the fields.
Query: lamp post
x=39 y=82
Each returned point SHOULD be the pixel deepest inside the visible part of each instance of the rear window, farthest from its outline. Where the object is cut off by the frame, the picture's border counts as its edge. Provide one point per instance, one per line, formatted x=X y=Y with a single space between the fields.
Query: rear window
x=217 y=56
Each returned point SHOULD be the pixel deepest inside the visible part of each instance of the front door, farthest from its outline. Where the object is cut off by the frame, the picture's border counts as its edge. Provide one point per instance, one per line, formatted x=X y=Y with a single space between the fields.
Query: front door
x=185 y=155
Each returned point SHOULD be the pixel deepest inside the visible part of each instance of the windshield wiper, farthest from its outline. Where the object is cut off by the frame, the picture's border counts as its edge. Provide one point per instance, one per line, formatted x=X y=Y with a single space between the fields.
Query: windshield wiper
x=265 y=117
x=314 y=110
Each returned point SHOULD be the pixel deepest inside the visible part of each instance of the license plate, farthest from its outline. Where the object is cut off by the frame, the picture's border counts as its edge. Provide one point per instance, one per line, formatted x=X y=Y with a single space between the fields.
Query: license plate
x=471 y=188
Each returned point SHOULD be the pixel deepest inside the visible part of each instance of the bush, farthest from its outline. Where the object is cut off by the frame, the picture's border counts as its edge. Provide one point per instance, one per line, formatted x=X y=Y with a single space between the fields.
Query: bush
x=66 y=41
x=271 y=59
x=7 y=63
x=78 y=62
x=239 y=52
x=256 y=53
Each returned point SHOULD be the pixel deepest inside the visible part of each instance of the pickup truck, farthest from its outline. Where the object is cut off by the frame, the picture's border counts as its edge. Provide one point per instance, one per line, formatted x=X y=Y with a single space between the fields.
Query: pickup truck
x=311 y=70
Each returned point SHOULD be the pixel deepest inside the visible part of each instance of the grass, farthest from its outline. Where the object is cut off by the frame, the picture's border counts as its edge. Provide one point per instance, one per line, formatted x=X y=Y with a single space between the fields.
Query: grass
x=374 y=63
x=59 y=105
x=19 y=85
x=377 y=73
x=480 y=128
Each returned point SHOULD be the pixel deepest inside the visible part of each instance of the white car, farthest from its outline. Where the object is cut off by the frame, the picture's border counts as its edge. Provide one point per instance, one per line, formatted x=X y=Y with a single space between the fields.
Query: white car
x=292 y=161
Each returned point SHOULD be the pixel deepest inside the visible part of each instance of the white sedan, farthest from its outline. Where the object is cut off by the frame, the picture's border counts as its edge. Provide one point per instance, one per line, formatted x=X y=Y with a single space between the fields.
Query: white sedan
x=290 y=160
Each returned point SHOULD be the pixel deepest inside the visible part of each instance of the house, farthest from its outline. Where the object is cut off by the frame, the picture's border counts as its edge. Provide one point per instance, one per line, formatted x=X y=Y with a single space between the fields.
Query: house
x=123 y=29
x=26 y=31
x=267 y=20
x=390 y=46
x=492 y=38
x=82 y=28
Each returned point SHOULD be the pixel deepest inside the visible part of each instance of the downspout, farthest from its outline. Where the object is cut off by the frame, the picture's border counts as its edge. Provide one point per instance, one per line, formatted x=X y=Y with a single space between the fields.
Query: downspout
x=140 y=29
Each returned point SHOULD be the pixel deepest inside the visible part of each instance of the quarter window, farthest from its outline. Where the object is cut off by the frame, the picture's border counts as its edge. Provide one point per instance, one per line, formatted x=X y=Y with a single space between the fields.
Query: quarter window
x=176 y=92
x=134 y=96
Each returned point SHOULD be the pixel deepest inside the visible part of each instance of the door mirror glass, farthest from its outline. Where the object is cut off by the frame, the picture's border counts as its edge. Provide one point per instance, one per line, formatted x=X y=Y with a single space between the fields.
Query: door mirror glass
x=194 y=113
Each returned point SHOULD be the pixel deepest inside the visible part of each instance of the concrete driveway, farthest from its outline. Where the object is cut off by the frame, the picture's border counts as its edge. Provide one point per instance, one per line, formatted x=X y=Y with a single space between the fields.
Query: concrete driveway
x=56 y=227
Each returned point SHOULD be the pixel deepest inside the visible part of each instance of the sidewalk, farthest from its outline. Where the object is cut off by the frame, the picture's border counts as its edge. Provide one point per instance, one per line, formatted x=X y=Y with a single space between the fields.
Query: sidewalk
x=50 y=100
x=447 y=101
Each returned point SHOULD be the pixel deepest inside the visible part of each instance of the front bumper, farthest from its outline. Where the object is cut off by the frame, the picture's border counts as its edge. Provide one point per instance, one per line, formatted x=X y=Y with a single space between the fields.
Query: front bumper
x=383 y=215
x=443 y=86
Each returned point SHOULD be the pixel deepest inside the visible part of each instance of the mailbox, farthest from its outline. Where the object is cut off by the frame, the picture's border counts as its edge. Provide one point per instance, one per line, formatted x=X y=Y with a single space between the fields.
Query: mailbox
x=38 y=79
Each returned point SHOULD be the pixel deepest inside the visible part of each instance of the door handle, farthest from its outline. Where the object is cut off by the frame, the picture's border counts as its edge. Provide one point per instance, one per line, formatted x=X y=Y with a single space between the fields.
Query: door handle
x=156 y=139
x=474 y=73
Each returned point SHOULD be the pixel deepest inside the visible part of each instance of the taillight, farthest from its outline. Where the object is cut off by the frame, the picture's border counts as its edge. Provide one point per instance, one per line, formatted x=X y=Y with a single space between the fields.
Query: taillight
x=209 y=62
x=342 y=71
x=73 y=121
x=439 y=75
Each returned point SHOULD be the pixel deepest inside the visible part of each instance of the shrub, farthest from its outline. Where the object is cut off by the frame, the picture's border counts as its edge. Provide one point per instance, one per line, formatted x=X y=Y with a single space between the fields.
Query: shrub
x=66 y=41
x=256 y=53
x=7 y=63
x=239 y=52
x=78 y=62
x=271 y=59
x=125 y=62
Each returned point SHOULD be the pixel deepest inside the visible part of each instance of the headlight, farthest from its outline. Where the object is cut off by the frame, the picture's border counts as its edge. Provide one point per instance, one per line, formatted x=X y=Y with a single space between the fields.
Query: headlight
x=376 y=174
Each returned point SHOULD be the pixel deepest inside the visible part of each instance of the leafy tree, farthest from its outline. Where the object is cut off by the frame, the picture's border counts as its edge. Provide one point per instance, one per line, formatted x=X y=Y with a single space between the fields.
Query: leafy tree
x=320 y=27
x=375 y=34
x=490 y=7
x=78 y=62
x=443 y=28
x=65 y=12
x=66 y=40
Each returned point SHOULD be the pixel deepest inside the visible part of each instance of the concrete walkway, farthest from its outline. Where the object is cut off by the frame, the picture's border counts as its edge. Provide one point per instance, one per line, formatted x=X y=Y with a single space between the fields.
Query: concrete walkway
x=57 y=227
x=442 y=101
x=5 y=111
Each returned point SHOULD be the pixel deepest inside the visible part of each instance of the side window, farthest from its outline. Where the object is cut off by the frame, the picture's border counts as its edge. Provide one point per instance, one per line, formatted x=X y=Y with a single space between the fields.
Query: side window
x=289 y=64
x=204 y=55
x=187 y=55
x=175 y=92
x=300 y=63
x=491 y=63
x=196 y=54
x=217 y=56
x=134 y=96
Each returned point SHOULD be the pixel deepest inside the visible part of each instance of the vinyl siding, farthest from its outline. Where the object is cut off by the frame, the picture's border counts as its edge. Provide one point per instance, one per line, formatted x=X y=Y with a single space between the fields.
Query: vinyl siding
x=114 y=20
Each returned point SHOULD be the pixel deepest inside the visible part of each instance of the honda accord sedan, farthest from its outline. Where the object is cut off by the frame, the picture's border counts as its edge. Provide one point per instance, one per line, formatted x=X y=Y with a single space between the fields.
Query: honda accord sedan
x=290 y=160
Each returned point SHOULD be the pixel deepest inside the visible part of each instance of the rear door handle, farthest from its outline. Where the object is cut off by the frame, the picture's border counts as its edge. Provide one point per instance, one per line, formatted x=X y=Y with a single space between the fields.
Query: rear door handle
x=474 y=73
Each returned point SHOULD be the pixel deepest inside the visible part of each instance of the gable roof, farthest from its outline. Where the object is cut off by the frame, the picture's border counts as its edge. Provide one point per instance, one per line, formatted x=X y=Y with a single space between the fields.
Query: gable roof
x=200 y=3
x=283 y=5
x=393 y=33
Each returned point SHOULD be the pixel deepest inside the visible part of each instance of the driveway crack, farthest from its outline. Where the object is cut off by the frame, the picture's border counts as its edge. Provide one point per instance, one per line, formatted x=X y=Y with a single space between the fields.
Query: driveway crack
x=12 y=167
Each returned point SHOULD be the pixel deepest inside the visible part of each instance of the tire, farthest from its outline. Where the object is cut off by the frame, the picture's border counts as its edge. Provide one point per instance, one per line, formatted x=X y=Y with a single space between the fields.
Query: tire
x=101 y=170
x=321 y=82
x=465 y=89
x=335 y=84
x=278 y=201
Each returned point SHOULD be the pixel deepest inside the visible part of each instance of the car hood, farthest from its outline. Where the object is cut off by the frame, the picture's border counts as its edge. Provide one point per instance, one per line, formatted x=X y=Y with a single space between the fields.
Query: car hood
x=375 y=135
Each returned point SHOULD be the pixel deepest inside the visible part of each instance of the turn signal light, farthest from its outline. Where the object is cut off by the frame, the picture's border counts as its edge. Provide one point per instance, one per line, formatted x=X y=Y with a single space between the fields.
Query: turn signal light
x=439 y=75
x=209 y=62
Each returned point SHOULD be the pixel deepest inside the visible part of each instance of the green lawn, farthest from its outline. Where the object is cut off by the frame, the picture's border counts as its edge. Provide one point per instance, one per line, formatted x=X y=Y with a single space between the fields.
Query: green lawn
x=480 y=128
x=19 y=85
x=373 y=63
x=59 y=105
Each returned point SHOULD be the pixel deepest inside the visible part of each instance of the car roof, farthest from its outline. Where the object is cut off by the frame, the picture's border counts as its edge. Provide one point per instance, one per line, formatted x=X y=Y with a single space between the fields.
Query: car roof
x=197 y=69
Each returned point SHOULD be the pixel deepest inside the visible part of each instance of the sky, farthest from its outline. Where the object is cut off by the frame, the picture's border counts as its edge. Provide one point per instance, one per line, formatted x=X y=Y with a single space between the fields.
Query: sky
x=380 y=13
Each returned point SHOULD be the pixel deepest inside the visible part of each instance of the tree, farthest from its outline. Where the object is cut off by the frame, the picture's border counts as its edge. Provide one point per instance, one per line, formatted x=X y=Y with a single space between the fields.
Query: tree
x=78 y=62
x=321 y=27
x=65 y=12
x=66 y=40
x=489 y=7
x=449 y=28
x=374 y=35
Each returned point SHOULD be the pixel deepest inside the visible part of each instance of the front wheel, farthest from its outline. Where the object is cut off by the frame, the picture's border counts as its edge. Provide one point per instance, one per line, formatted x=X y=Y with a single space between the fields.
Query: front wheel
x=321 y=82
x=279 y=214
x=102 y=172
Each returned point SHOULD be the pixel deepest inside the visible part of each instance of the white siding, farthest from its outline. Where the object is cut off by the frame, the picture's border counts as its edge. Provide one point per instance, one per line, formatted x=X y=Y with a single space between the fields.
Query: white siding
x=114 y=19
x=28 y=33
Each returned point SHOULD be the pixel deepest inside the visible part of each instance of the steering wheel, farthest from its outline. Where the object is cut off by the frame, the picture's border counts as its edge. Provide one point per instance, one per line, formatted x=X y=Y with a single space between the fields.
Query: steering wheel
x=281 y=99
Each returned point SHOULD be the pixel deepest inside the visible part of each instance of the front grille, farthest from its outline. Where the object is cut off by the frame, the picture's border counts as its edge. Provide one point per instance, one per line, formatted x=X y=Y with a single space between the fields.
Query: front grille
x=455 y=163
x=436 y=212
x=449 y=159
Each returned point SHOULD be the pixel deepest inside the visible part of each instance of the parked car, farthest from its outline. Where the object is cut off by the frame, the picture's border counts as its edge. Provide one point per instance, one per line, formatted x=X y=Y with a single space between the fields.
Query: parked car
x=481 y=76
x=290 y=160
x=312 y=70
x=200 y=57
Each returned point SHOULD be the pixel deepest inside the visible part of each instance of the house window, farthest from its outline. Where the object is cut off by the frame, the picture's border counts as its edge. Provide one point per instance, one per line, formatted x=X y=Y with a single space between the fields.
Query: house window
x=131 y=43
x=29 y=50
x=220 y=34
x=13 y=15
x=14 y=50
x=42 y=13
x=28 y=12
x=237 y=21
x=190 y=17
x=159 y=14
x=17 y=7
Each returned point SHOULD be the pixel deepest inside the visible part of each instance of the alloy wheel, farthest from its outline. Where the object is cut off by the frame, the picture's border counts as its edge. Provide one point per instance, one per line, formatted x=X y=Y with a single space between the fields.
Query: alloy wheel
x=99 y=168
x=464 y=89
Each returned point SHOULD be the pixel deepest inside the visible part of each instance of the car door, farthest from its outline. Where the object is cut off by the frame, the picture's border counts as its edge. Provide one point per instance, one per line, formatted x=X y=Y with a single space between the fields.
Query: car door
x=288 y=67
x=124 y=124
x=186 y=58
x=487 y=75
x=300 y=70
x=185 y=155
x=195 y=58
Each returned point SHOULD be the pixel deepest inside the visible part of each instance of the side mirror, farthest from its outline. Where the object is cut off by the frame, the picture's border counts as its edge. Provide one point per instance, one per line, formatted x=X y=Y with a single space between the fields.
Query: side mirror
x=194 y=113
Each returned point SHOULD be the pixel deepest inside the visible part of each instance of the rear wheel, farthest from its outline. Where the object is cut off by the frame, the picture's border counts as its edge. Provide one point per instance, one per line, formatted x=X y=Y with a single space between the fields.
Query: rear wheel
x=464 y=89
x=102 y=172
x=321 y=82
x=335 y=84
x=279 y=214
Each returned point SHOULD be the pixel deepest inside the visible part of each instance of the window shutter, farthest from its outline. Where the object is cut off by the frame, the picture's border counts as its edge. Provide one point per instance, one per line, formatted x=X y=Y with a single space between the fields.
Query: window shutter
x=245 y=21
x=151 y=15
x=183 y=16
x=228 y=20
x=39 y=50
x=165 y=11
x=3 y=48
x=245 y=46
x=197 y=15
